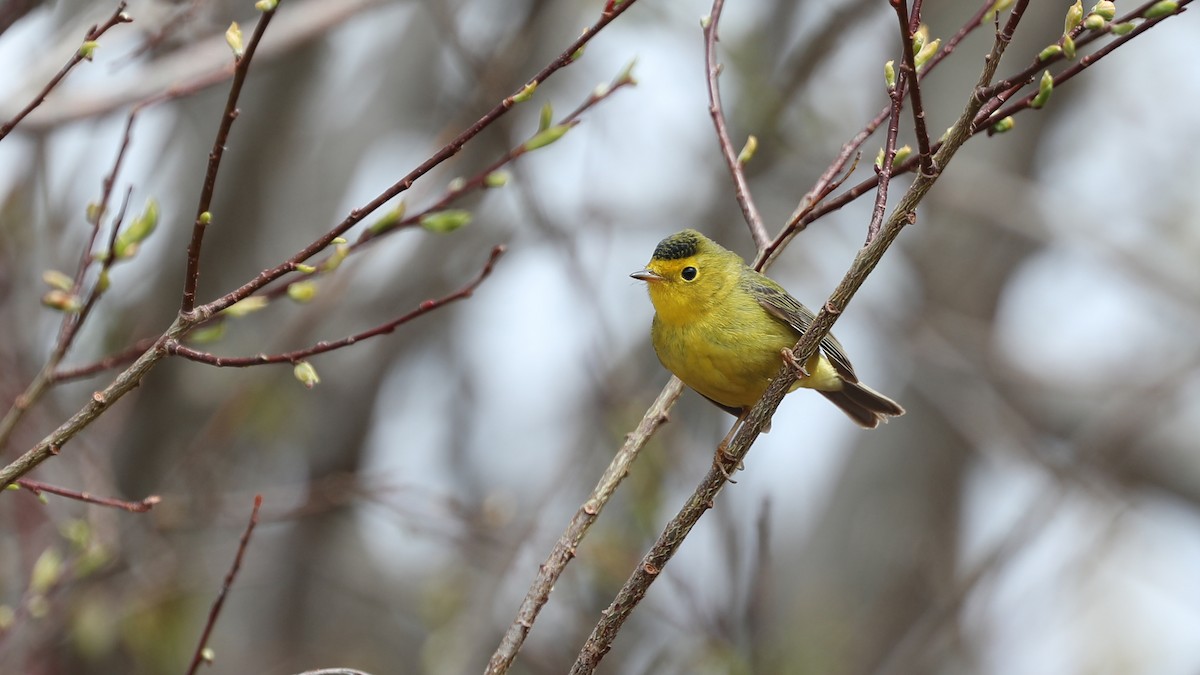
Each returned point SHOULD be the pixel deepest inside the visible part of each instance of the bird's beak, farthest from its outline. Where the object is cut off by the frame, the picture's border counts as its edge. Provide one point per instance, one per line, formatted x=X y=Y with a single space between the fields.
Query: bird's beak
x=646 y=275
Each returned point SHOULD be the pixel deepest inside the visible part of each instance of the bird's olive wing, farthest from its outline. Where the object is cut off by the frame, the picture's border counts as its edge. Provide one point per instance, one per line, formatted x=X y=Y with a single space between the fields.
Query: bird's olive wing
x=787 y=309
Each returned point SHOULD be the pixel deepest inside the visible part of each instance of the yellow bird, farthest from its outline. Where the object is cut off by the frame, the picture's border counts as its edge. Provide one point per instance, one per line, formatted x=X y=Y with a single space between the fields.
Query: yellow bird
x=723 y=328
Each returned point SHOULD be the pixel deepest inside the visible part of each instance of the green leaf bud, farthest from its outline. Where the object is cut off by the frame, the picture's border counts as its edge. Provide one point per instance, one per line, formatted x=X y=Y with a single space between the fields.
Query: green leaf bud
x=927 y=52
x=1121 y=28
x=88 y=49
x=456 y=184
x=1069 y=47
x=544 y=138
x=205 y=218
x=266 y=5
x=1161 y=9
x=306 y=374
x=496 y=179
x=208 y=334
x=902 y=153
x=443 y=222
x=626 y=75
x=1045 y=88
x=1049 y=53
x=93 y=213
x=246 y=306
x=62 y=301
x=748 y=150
x=47 y=570
x=1106 y=9
x=302 y=291
x=526 y=93
x=1003 y=125
x=546 y=118
x=889 y=74
x=208 y=655
x=338 y=241
x=233 y=38
x=340 y=251
x=59 y=280
x=305 y=269
x=1074 y=16
x=103 y=281
x=76 y=531
x=1093 y=22
x=388 y=221
x=919 y=38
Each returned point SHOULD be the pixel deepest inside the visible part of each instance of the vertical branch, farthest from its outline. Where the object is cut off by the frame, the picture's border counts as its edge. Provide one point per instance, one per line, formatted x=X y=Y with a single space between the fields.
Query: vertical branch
x=741 y=189
x=198 y=656
x=908 y=26
x=192 y=276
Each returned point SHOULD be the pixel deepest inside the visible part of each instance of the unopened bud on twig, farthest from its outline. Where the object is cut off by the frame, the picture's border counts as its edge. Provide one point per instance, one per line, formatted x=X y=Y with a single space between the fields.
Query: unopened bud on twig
x=927 y=52
x=889 y=74
x=59 y=280
x=748 y=150
x=306 y=374
x=1160 y=9
x=1074 y=16
x=1069 y=47
x=1093 y=22
x=47 y=570
x=443 y=222
x=302 y=291
x=525 y=94
x=1045 y=88
x=389 y=219
x=246 y=306
x=1121 y=28
x=546 y=118
x=61 y=301
x=544 y=138
x=1049 y=53
x=266 y=5
x=496 y=179
x=1004 y=125
x=1106 y=9
x=88 y=49
x=233 y=38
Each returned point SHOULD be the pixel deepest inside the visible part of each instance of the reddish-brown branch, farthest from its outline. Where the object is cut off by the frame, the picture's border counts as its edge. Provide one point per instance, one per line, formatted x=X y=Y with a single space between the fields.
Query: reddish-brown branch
x=140 y=506
x=324 y=346
x=908 y=25
x=198 y=656
x=192 y=277
x=741 y=189
x=118 y=17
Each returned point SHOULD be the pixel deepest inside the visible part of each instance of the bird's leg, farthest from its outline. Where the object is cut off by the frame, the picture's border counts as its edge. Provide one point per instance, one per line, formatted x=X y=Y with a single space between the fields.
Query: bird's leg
x=723 y=457
x=790 y=358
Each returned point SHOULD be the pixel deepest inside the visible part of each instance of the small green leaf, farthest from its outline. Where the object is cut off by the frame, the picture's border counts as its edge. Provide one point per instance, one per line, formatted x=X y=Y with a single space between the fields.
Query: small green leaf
x=1161 y=9
x=306 y=374
x=546 y=118
x=246 y=306
x=544 y=138
x=233 y=38
x=443 y=222
x=302 y=291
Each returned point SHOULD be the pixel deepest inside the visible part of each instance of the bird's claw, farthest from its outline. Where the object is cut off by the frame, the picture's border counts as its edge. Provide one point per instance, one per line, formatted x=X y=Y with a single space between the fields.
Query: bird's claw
x=789 y=358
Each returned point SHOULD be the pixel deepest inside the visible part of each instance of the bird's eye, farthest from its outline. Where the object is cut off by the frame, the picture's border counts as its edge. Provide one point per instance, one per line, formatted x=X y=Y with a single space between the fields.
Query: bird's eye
x=688 y=274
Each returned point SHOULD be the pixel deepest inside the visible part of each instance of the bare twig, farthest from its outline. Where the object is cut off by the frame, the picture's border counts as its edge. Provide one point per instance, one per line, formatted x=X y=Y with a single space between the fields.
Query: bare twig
x=564 y=548
x=908 y=25
x=741 y=190
x=140 y=506
x=425 y=307
x=203 y=215
x=213 y=613
x=118 y=17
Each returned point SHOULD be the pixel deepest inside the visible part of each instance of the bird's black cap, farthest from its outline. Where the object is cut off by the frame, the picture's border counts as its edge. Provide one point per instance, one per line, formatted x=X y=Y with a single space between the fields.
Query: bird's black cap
x=679 y=245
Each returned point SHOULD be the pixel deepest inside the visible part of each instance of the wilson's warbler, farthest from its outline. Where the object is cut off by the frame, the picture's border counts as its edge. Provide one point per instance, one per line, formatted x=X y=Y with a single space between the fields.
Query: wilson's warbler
x=723 y=329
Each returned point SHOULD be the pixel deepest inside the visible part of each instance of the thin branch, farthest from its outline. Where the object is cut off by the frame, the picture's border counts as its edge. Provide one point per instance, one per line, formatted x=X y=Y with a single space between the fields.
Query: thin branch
x=115 y=360
x=425 y=307
x=741 y=189
x=566 y=58
x=198 y=657
x=635 y=588
x=883 y=170
x=140 y=506
x=118 y=17
x=564 y=549
x=192 y=277
x=908 y=25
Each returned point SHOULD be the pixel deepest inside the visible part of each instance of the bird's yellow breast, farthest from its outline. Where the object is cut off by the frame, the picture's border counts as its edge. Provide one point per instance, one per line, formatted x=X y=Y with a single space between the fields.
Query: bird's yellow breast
x=728 y=352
